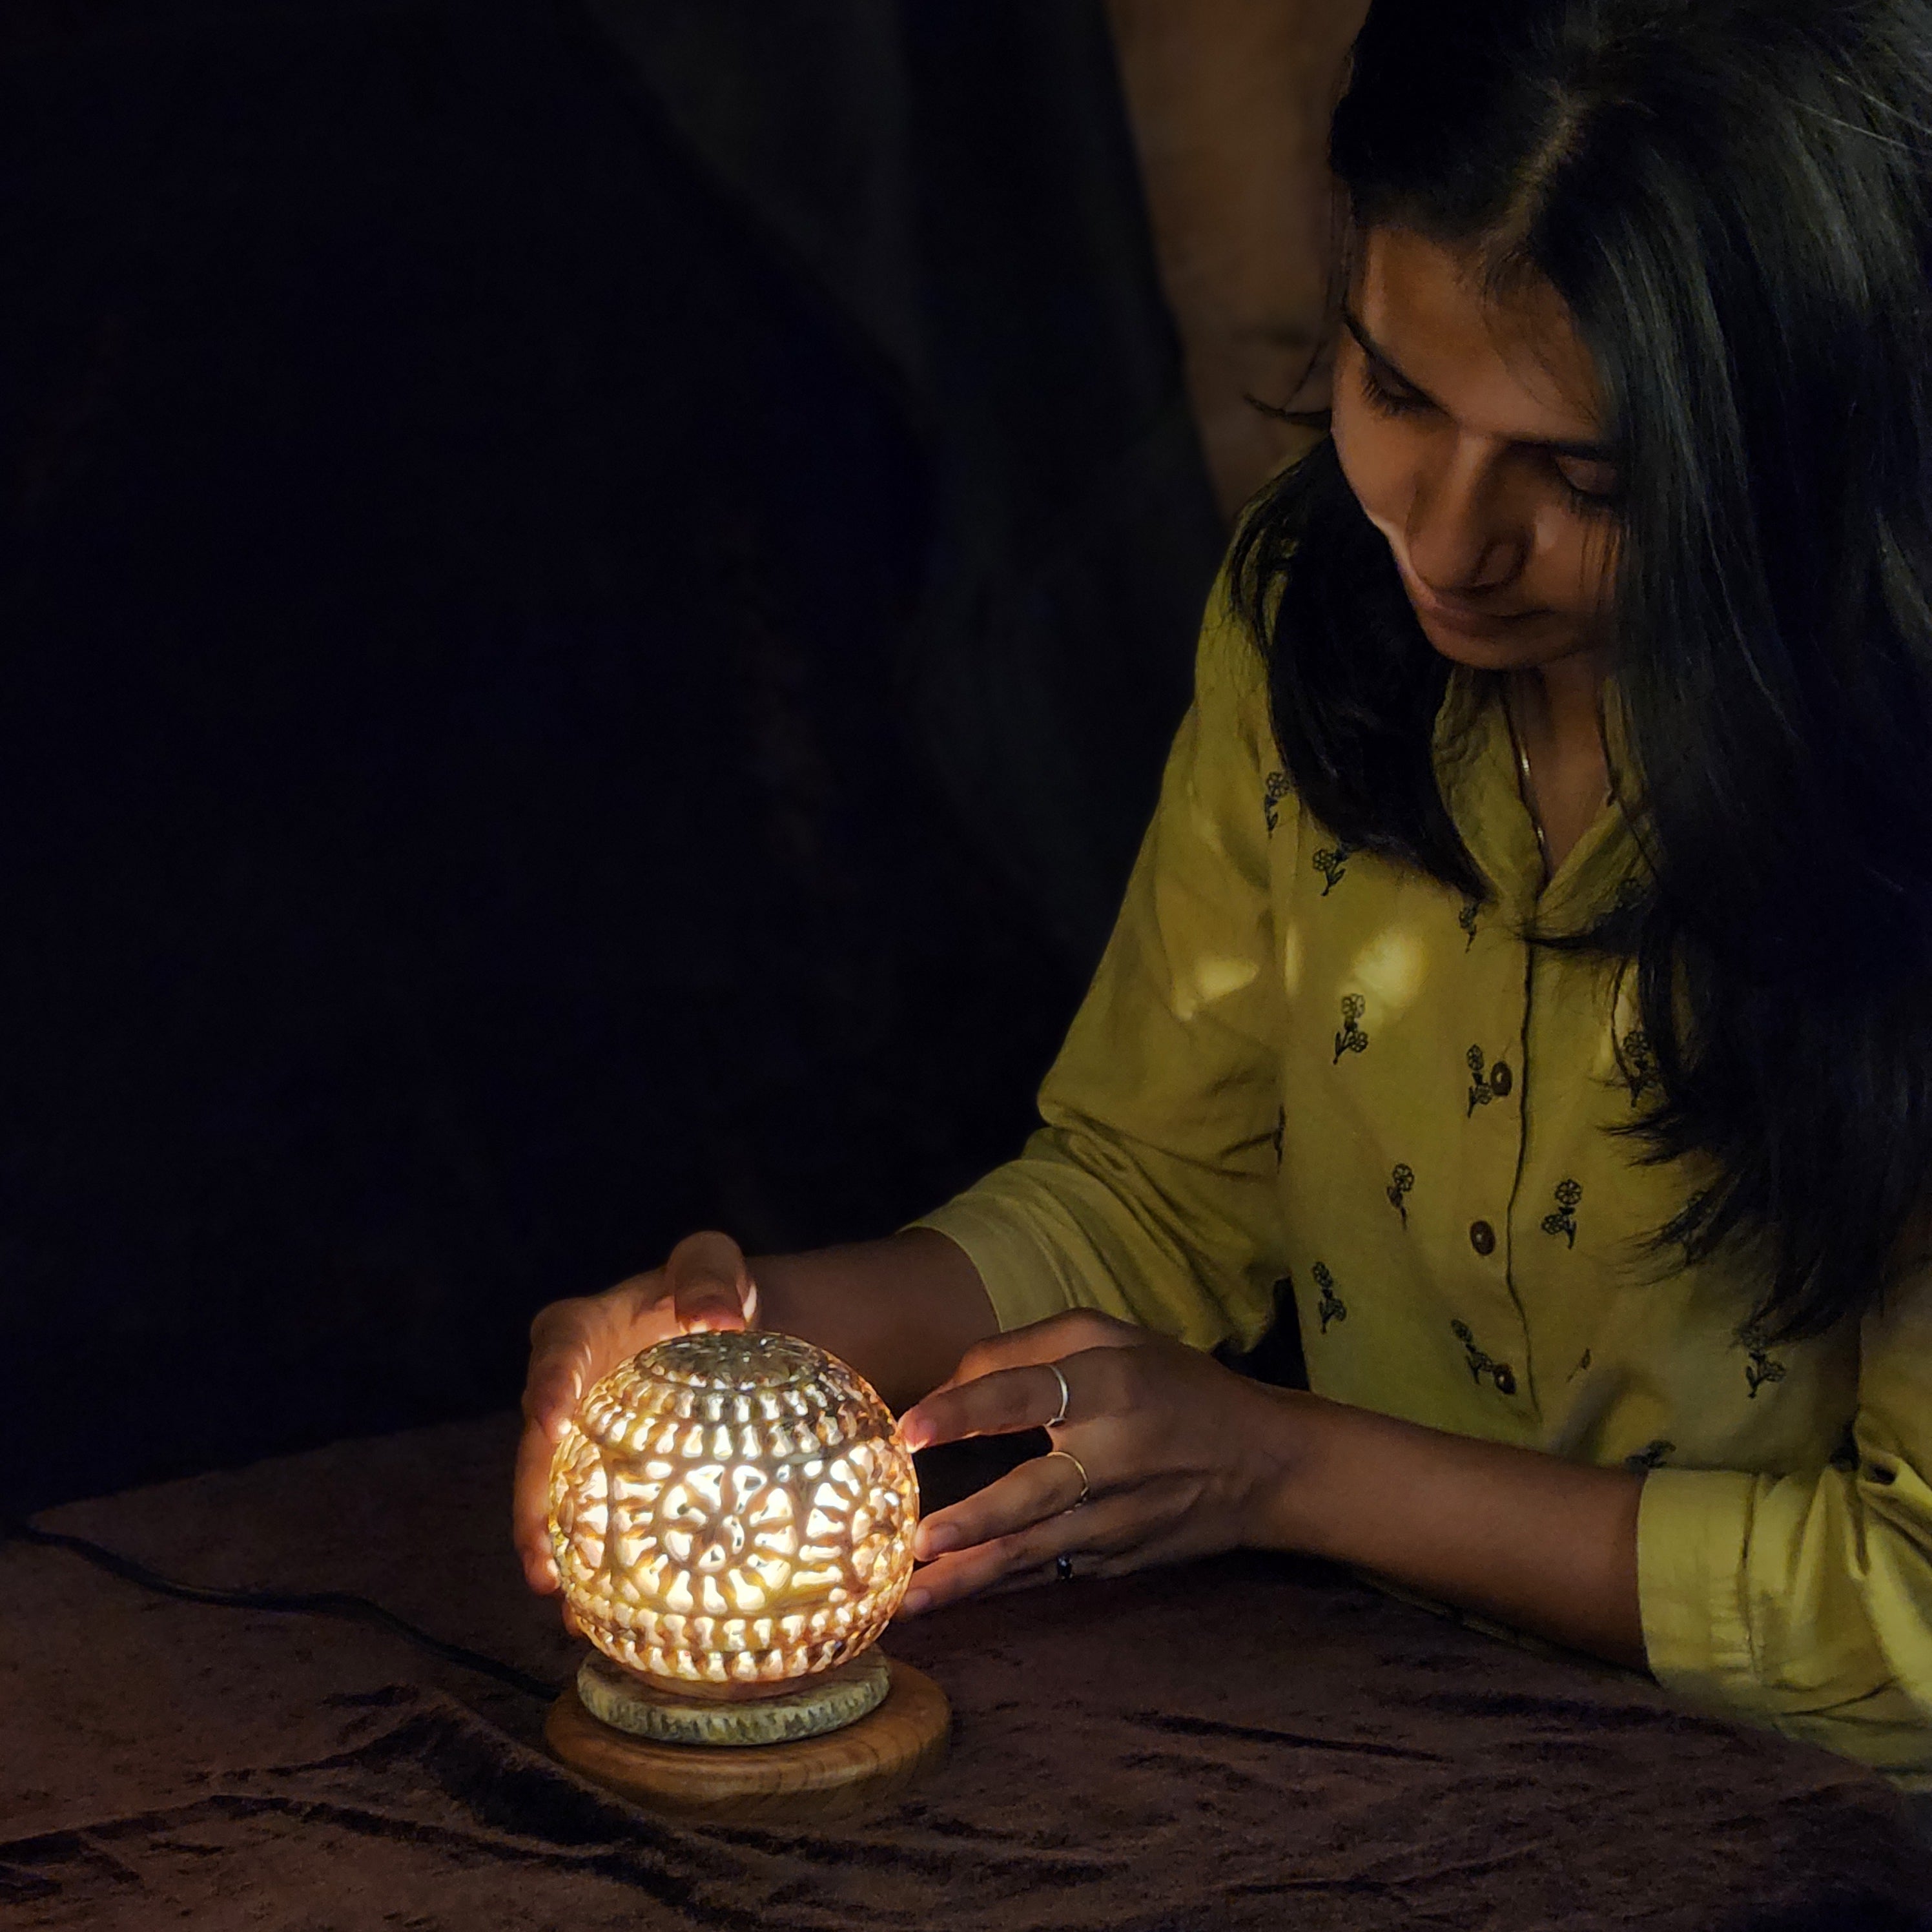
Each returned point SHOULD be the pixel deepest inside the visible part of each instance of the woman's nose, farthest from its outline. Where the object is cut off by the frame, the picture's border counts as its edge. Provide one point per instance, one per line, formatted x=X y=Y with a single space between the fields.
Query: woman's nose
x=1462 y=537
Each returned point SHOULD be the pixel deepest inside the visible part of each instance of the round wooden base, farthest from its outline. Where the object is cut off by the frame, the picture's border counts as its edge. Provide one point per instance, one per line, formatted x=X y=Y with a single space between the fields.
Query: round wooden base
x=834 y=1776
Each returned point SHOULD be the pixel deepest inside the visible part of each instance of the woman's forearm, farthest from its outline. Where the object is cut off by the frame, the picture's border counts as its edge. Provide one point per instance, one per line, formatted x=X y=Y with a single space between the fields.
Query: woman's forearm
x=902 y=1311
x=1530 y=1540
x=1526 y=1539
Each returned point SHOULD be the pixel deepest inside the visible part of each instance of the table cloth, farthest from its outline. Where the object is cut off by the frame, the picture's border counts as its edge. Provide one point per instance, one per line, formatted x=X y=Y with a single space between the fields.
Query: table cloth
x=1248 y=1742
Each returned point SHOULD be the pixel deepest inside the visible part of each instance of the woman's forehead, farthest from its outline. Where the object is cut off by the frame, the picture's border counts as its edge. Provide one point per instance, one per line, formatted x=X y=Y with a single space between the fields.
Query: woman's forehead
x=1504 y=362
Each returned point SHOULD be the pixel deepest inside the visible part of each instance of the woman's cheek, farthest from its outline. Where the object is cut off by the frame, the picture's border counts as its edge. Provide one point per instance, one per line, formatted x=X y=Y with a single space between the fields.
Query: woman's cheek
x=1596 y=570
x=1374 y=463
x=1573 y=563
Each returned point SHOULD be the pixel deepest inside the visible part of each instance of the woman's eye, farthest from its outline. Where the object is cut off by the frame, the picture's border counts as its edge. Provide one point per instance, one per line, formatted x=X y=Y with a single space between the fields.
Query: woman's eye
x=1591 y=483
x=1390 y=398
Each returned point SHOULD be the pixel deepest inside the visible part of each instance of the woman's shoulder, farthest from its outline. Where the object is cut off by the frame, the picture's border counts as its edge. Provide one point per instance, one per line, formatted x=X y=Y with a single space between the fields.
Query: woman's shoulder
x=1232 y=697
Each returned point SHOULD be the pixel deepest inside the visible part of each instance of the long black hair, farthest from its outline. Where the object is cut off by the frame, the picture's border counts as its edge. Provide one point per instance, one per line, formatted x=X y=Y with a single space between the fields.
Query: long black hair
x=1734 y=198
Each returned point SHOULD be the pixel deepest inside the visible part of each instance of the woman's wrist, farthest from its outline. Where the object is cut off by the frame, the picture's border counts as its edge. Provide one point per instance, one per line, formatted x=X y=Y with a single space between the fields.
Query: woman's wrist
x=1293 y=1436
x=1525 y=1538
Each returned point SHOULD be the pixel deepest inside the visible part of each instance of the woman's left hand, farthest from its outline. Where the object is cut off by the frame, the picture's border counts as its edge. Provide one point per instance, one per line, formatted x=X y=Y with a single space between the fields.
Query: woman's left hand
x=1182 y=1456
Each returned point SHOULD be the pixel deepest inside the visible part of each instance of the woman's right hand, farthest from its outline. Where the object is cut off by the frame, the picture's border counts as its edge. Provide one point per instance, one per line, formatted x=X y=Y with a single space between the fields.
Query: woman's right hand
x=575 y=1344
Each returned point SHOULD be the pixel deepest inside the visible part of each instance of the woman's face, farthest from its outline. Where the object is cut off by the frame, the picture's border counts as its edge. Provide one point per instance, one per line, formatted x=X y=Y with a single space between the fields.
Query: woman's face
x=1468 y=427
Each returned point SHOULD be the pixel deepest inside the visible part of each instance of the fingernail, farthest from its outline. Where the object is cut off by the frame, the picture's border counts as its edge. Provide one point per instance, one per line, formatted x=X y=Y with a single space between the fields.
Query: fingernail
x=913 y=1601
x=935 y=1540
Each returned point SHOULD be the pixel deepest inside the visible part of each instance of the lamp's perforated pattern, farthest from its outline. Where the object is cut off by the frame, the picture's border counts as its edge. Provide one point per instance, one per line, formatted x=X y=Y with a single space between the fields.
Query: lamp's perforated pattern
x=733 y=1508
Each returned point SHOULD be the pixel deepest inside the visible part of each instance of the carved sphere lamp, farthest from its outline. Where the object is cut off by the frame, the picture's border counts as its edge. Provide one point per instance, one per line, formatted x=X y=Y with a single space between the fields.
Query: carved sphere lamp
x=732 y=1517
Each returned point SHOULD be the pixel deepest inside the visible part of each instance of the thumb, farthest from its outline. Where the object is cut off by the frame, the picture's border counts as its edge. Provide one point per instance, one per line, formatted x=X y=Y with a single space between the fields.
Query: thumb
x=711 y=1288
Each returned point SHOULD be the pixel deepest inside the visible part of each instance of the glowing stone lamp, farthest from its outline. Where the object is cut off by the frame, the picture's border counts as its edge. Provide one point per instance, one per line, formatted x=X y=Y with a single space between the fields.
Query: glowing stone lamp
x=732 y=1516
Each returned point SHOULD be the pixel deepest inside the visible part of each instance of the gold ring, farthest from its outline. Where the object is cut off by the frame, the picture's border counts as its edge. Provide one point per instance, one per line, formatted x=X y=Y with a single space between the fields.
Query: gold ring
x=1053 y=1369
x=1076 y=1461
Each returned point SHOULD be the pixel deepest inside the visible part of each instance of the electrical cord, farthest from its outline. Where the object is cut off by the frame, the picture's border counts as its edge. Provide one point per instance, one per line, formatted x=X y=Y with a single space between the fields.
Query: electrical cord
x=339 y=1604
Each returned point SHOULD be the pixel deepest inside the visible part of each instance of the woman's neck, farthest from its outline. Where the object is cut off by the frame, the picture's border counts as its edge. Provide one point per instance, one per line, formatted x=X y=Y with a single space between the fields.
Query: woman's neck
x=1556 y=712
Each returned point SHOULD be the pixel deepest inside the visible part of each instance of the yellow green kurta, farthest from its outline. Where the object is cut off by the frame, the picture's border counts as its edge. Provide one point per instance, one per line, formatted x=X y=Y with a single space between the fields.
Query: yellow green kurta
x=1300 y=1062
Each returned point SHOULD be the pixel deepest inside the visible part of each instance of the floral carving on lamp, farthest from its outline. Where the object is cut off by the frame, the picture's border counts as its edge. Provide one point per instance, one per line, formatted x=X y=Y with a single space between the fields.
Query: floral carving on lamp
x=733 y=1510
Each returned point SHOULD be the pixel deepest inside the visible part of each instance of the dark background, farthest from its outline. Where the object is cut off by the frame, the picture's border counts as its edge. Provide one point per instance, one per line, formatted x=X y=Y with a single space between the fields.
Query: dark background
x=592 y=593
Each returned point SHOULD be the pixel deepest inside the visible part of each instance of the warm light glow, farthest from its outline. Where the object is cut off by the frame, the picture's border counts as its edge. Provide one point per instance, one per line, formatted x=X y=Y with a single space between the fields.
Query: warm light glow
x=732 y=1508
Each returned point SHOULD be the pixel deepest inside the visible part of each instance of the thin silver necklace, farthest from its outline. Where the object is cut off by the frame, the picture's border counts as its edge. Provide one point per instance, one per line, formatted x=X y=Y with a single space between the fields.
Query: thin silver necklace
x=1526 y=789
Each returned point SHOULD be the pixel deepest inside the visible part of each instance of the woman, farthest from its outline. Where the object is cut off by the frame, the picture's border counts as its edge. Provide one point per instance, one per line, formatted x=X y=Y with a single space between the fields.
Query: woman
x=1530 y=960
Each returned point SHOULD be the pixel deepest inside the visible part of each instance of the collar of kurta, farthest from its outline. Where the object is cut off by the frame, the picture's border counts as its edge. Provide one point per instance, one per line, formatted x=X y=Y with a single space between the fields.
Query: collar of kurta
x=1476 y=767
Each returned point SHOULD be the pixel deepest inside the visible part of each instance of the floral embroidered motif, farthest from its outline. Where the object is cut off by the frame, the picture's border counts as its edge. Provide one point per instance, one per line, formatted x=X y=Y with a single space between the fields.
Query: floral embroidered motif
x=1466 y=919
x=1563 y=1221
x=1651 y=1456
x=1352 y=1039
x=1481 y=1091
x=1332 y=862
x=1331 y=1308
x=1280 y=1133
x=1759 y=1368
x=1402 y=1183
x=1637 y=1064
x=1276 y=789
x=1480 y=1364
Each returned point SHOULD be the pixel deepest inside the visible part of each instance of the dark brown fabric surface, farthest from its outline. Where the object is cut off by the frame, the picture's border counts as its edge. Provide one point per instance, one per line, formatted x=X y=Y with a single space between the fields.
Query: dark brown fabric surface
x=1245 y=1743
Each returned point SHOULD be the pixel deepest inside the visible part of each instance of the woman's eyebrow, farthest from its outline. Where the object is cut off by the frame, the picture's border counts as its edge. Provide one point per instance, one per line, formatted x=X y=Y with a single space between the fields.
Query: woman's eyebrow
x=1583 y=451
x=1374 y=350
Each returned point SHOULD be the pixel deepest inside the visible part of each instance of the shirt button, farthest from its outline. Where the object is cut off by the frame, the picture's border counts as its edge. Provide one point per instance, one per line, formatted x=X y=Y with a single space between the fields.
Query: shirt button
x=1482 y=1237
x=1501 y=1079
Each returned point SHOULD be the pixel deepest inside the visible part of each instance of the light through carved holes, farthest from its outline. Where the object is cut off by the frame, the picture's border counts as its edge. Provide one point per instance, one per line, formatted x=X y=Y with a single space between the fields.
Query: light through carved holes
x=732 y=1508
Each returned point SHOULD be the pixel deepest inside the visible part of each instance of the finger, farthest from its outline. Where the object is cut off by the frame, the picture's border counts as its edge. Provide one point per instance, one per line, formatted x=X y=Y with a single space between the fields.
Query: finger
x=572 y=1342
x=1099 y=1531
x=1024 y=1579
x=1048 y=1486
x=558 y=1376
x=1089 y=1567
x=711 y=1287
x=1005 y=1400
x=999 y=1403
x=1129 y=1529
x=559 y=1369
x=530 y=1509
x=1068 y=1333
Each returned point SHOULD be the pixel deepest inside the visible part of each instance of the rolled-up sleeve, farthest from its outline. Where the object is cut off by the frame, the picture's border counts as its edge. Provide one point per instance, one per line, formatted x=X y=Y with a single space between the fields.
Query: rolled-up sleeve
x=1803 y=1601
x=1149 y=1191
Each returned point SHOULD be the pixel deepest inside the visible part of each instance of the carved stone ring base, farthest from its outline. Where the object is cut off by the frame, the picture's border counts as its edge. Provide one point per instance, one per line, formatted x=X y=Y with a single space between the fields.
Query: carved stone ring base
x=811 y=1707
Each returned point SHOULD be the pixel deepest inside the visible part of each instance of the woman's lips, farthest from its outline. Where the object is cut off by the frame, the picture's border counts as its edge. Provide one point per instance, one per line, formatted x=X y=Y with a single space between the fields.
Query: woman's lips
x=1471 y=620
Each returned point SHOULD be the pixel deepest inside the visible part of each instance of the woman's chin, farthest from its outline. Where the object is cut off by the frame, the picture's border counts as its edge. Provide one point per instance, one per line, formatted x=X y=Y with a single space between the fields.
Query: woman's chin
x=1518 y=644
